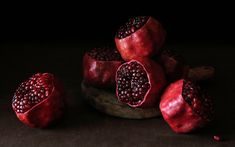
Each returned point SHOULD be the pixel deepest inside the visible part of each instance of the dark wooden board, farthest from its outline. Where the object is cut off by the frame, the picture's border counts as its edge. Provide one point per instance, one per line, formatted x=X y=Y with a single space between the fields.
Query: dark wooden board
x=106 y=101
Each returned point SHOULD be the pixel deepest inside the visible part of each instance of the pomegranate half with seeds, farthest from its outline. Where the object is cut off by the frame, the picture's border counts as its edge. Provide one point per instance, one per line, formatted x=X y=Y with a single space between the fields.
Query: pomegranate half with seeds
x=139 y=83
x=185 y=106
x=39 y=101
x=142 y=36
x=100 y=66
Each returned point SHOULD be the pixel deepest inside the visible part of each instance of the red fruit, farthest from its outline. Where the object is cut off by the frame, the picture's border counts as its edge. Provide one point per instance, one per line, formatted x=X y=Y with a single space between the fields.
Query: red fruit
x=185 y=107
x=39 y=101
x=174 y=65
x=141 y=36
x=139 y=83
x=217 y=138
x=100 y=66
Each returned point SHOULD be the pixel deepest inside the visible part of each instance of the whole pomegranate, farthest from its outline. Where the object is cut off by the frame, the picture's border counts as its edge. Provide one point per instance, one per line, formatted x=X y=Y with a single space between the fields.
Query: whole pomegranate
x=185 y=106
x=139 y=82
x=39 y=101
x=142 y=36
x=100 y=66
x=174 y=65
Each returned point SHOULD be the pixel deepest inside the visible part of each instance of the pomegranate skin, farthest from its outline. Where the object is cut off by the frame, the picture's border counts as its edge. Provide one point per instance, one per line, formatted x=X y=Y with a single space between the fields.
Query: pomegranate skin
x=174 y=65
x=99 y=73
x=47 y=111
x=178 y=113
x=145 y=42
x=156 y=79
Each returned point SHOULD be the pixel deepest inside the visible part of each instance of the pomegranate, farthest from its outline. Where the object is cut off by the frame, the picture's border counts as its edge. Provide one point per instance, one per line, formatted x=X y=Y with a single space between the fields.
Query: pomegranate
x=174 y=65
x=142 y=36
x=139 y=82
x=100 y=66
x=185 y=106
x=217 y=138
x=39 y=101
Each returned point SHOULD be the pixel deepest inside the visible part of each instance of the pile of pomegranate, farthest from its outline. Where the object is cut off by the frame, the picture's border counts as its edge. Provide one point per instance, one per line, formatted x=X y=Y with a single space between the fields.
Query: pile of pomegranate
x=146 y=76
x=138 y=69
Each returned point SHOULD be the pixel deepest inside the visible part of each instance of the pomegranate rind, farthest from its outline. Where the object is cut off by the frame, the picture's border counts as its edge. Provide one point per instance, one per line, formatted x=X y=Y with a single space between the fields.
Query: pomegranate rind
x=99 y=73
x=145 y=42
x=178 y=113
x=47 y=111
x=174 y=66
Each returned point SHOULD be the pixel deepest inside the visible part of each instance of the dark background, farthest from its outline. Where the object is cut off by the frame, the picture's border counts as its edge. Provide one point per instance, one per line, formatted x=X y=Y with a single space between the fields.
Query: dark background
x=52 y=38
x=183 y=21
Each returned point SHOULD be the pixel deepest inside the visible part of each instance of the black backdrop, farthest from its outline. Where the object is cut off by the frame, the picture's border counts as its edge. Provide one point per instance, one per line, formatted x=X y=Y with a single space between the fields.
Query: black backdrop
x=183 y=22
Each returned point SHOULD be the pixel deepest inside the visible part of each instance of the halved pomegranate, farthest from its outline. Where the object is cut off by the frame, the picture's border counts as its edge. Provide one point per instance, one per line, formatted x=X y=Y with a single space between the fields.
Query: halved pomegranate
x=39 y=101
x=174 y=65
x=142 y=36
x=100 y=66
x=139 y=82
x=185 y=106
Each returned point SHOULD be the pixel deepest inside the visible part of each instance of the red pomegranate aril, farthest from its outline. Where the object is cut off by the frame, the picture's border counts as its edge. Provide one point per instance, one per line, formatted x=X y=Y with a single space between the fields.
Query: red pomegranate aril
x=198 y=99
x=139 y=82
x=100 y=65
x=35 y=107
x=131 y=26
x=141 y=36
x=185 y=106
x=217 y=138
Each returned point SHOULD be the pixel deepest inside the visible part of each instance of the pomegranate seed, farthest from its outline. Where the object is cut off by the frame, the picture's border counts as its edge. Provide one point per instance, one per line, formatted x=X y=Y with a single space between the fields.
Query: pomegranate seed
x=217 y=138
x=105 y=54
x=131 y=26
x=28 y=94
x=133 y=82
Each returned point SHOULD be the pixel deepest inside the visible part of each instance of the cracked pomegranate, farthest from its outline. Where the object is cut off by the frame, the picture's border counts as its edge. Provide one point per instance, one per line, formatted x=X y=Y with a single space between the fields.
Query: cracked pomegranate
x=141 y=36
x=139 y=83
x=174 y=65
x=100 y=66
x=185 y=106
x=39 y=101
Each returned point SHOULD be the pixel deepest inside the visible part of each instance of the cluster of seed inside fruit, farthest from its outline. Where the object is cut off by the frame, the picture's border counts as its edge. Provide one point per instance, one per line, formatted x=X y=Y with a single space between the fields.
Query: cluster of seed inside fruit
x=105 y=54
x=131 y=26
x=31 y=92
x=198 y=99
x=132 y=83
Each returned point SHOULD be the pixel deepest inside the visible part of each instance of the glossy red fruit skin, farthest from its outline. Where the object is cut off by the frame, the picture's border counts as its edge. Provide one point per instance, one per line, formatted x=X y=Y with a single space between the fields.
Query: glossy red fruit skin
x=157 y=83
x=99 y=73
x=145 y=42
x=47 y=111
x=176 y=112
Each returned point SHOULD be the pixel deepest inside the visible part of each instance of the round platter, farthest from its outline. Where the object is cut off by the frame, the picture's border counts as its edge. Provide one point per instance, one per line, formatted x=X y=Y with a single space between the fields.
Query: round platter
x=106 y=102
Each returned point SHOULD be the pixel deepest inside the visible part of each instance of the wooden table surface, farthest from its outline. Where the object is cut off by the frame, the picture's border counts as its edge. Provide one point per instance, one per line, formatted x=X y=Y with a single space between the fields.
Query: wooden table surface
x=83 y=125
